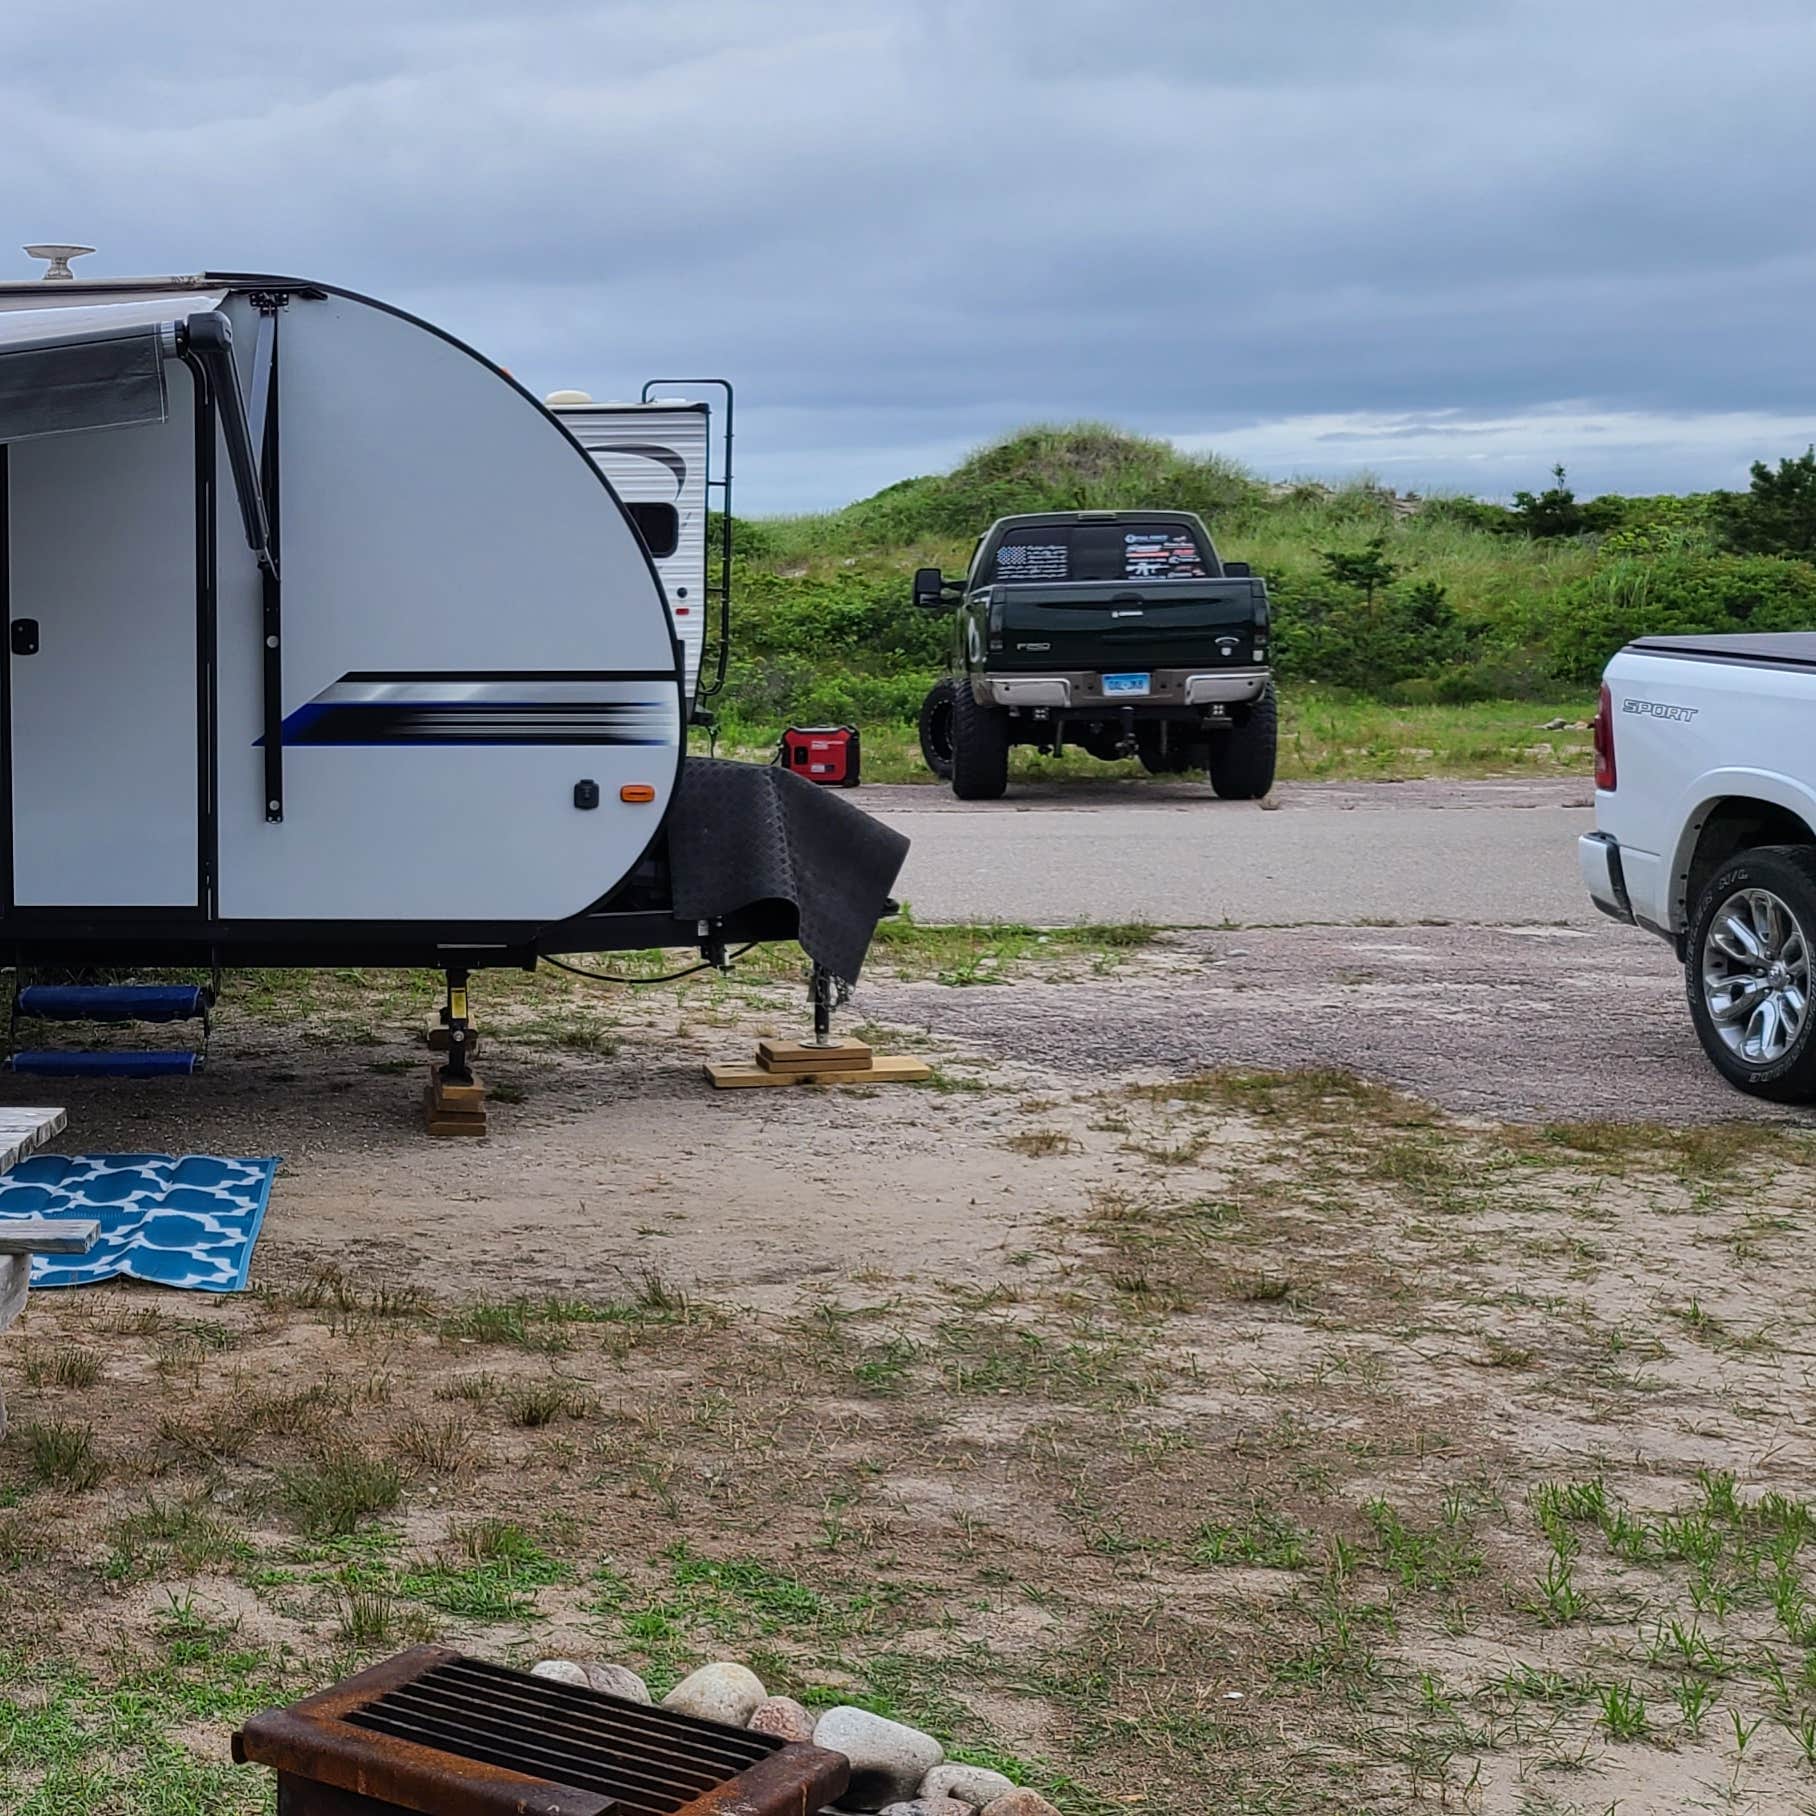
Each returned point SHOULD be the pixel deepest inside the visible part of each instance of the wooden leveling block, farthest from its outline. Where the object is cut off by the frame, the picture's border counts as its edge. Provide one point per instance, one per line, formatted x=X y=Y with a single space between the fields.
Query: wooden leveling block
x=802 y=1056
x=454 y=1109
x=844 y=1062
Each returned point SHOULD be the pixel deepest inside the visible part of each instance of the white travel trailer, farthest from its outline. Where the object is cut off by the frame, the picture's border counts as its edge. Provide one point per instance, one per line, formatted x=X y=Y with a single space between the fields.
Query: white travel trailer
x=658 y=455
x=328 y=644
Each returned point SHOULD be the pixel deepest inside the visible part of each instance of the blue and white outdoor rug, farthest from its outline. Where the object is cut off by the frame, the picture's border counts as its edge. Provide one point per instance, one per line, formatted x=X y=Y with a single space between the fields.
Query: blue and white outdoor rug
x=187 y=1222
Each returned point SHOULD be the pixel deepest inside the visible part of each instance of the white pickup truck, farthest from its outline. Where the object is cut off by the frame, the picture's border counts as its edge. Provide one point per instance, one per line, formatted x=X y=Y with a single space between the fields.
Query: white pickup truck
x=1705 y=810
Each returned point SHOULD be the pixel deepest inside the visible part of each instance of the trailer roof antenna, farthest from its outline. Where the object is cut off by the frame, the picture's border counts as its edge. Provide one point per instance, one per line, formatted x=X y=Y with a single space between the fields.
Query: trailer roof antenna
x=59 y=256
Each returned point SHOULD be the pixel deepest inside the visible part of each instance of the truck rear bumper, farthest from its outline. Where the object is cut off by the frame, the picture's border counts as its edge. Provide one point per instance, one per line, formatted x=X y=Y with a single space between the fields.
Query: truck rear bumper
x=1598 y=856
x=1084 y=689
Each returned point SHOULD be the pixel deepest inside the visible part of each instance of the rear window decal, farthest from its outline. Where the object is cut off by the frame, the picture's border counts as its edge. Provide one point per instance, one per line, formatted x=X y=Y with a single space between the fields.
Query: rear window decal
x=1161 y=555
x=1033 y=561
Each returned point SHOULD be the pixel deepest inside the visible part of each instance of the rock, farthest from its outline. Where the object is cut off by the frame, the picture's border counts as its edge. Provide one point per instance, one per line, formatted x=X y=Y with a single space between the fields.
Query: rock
x=888 y=1759
x=1020 y=1803
x=722 y=1692
x=1554 y=725
x=970 y=1784
x=931 y=1806
x=562 y=1670
x=618 y=1680
x=783 y=1717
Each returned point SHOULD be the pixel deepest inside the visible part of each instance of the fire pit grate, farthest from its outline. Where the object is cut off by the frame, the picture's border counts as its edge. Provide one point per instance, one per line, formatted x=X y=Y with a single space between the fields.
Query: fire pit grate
x=433 y=1731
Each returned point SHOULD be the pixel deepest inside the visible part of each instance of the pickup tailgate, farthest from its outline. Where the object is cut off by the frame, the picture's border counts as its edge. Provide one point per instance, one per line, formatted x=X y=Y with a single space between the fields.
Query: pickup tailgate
x=1121 y=624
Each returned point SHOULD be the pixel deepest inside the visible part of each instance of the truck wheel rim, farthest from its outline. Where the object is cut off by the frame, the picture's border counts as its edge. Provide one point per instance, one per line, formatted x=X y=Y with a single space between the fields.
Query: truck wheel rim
x=939 y=729
x=1756 y=976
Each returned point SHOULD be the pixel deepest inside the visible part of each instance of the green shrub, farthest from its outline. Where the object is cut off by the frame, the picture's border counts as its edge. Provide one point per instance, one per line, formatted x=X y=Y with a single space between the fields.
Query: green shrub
x=1776 y=515
x=1372 y=640
x=1587 y=620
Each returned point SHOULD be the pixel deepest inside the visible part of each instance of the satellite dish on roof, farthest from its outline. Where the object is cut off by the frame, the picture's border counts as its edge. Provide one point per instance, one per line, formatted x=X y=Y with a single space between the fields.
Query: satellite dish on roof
x=568 y=397
x=59 y=256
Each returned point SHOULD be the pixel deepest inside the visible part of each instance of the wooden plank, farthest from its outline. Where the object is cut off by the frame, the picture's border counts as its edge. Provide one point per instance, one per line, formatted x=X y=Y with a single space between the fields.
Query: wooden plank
x=885 y=1069
x=449 y=1095
x=48 y=1235
x=451 y=1122
x=24 y=1131
x=457 y=1125
x=801 y=1056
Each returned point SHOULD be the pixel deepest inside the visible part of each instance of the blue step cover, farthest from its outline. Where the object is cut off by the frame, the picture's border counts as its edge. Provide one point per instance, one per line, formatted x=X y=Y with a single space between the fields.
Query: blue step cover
x=114 y=1002
x=53 y=1063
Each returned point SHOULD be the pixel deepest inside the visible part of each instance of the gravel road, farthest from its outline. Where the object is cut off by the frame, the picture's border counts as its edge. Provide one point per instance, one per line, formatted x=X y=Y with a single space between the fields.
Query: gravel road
x=1513 y=1023
x=1174 y=855
x=1315 y=944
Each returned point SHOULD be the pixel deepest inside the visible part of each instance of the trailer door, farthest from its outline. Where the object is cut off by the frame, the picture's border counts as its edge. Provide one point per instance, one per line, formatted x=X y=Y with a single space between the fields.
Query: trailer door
x=102 y=696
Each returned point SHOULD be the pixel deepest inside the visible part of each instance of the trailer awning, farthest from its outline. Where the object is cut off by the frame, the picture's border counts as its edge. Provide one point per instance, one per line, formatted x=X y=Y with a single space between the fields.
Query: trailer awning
x=90 y=365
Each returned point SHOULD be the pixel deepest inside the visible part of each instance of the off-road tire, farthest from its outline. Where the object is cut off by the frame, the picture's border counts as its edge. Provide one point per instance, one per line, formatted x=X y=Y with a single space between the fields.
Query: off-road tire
x=936 y=729
x=1183 y=755
x=1788 y=872
x=980 y=747
x=1242 y=758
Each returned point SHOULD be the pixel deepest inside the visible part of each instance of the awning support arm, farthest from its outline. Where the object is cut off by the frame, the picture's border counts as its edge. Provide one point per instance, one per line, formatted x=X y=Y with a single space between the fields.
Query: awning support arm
x=209 y=337
x=208 y=340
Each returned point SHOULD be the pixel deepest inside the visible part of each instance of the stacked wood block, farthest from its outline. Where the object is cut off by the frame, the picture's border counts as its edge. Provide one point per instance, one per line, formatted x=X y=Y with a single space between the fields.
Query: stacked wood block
x=840 y=1062
x=453 y=1107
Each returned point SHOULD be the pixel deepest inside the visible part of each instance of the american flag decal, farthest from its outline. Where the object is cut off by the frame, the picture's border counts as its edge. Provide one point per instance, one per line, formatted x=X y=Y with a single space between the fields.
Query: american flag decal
x=1032 y=561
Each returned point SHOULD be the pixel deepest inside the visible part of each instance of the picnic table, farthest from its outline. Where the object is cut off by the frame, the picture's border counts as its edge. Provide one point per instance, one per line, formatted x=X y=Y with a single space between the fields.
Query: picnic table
x=23 y=1132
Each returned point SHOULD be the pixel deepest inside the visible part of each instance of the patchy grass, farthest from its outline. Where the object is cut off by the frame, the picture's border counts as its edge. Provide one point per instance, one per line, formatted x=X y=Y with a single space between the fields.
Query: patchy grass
x=1300 y=1448
x=337 y=1491
x=1324 y=737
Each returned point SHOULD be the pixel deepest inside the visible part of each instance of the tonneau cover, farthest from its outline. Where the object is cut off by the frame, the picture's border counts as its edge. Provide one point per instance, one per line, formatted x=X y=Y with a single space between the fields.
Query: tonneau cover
x=92 y=362
x=1791 y=649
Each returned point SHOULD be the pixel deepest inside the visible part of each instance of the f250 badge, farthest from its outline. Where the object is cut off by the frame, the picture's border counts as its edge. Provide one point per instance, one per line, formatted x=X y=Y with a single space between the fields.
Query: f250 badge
x=1655 y=709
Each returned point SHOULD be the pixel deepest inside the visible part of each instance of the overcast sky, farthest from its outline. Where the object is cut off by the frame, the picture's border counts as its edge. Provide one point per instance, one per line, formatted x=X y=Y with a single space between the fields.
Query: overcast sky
x=1447 y=242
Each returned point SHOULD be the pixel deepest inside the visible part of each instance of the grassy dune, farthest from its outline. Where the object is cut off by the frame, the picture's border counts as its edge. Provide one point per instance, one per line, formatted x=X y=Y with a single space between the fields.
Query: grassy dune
x=1480 y=631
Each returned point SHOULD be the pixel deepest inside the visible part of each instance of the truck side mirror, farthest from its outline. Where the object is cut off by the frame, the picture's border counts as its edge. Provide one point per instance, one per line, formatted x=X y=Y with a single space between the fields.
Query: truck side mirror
x=1237 y=570
x=930 y=589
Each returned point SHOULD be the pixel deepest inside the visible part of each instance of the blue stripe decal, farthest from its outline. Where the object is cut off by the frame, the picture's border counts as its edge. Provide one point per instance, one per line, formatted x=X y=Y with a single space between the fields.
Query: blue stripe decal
x=377 y=710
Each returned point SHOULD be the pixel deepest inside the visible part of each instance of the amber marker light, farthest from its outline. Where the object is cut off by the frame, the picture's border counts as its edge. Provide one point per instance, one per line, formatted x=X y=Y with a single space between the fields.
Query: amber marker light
x=637 y=792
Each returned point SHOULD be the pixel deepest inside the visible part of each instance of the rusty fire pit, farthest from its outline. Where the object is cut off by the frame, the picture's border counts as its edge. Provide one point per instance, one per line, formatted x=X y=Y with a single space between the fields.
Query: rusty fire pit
x=444 y=1735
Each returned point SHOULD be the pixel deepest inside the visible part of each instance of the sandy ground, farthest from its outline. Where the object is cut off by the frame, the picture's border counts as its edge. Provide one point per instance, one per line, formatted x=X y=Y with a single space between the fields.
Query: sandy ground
x=1188 y=1429
x=1190 y=1406
x=610 y=1166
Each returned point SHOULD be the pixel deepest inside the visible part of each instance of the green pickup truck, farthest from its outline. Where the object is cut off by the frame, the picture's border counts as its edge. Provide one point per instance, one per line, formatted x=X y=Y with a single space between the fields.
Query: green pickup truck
x=1120 y=632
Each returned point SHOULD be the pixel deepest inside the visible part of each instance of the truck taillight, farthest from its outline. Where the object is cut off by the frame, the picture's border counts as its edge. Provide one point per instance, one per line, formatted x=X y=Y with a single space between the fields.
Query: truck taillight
x=1604 y=740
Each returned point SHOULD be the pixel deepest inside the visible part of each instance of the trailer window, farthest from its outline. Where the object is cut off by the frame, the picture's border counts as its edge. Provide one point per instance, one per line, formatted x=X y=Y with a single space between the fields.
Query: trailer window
x=659 y=525
x=1102 y=551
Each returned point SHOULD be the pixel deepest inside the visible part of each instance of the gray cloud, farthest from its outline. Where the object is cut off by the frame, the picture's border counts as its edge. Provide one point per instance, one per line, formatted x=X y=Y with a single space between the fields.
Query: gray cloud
x=903 y=225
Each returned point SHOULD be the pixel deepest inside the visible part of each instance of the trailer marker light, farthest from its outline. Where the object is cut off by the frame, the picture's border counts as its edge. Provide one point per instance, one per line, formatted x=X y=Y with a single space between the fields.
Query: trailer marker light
x=637 y=791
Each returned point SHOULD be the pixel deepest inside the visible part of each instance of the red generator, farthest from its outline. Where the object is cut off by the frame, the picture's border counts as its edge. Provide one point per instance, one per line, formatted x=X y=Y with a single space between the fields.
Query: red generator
x=827 y=754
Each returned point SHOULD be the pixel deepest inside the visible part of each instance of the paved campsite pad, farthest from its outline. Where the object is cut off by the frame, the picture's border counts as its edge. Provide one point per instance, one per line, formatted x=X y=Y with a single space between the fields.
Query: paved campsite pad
x=1171 y=852
x=1212 y=1439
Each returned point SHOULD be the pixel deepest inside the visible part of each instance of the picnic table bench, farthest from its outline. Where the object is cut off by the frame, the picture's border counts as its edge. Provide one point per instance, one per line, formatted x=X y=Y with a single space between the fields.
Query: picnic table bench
x=22 y=1132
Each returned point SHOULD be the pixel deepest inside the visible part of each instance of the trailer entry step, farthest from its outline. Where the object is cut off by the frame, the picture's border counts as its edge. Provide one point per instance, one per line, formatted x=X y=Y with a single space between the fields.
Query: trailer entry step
x=63 y=1063
x=114 y=1002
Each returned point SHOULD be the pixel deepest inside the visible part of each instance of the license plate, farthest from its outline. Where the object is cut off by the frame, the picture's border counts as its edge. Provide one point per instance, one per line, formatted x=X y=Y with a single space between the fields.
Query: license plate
x=1125 y=684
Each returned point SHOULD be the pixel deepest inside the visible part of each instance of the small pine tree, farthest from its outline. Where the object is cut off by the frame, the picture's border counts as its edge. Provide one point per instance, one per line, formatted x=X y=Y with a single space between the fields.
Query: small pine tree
x=1366 y=570
x=1553 y=512
x=1776 y=515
